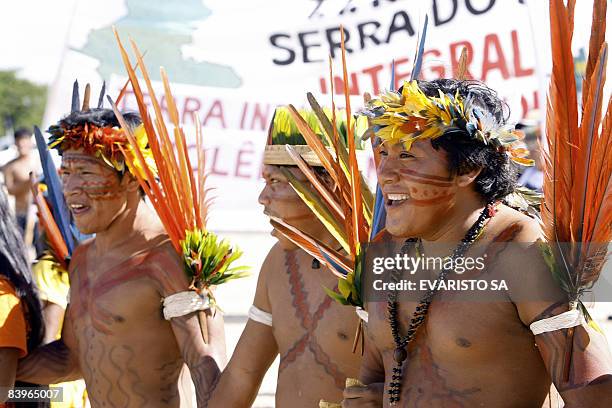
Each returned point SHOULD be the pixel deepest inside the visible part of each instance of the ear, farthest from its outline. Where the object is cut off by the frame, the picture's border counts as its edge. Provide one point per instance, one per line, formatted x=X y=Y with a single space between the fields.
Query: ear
x=129 y=182
x=468 y=178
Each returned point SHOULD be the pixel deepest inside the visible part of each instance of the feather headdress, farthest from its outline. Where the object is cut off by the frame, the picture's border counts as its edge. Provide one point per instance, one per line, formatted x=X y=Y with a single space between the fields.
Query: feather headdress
x=179 y=198
x=284 y=131
x=577 y=206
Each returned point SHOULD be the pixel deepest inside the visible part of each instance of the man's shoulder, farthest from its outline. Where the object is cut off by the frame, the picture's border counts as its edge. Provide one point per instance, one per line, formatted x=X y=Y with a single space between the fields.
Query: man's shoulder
x=274 y=260
x=9 y=166
x=509 y=225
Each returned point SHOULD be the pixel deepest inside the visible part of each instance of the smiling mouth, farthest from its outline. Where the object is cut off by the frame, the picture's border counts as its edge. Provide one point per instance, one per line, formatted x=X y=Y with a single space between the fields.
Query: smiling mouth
x=78 y=209
x=396 y=199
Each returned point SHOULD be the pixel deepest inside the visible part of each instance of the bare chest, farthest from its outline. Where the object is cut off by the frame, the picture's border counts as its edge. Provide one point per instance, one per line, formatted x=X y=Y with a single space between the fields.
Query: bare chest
x=457 y=332
x=115 y=300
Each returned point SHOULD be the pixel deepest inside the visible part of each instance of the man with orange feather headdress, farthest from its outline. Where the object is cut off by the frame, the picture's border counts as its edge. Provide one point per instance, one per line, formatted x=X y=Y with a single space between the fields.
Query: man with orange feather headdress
x=115 y=335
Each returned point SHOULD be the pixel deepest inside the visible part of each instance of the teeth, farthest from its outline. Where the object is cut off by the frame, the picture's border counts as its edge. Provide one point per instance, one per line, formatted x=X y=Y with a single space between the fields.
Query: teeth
x=76 y=206
x=397 y=197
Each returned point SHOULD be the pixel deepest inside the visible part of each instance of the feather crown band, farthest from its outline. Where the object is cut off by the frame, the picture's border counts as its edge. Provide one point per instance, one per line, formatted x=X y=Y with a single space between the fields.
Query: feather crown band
x=284 y=131
x=412 y=115
x=95 y=131
x=106 y=143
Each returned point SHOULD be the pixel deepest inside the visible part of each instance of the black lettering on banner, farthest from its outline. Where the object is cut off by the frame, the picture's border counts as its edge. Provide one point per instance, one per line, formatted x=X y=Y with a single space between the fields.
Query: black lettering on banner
x=371 y=34
x=334 y=40
x=305 y=47
x=274 y=41
x=473 y=10
x=348 y=7
x=400 y=22
x=438 y=21
x=319 y=3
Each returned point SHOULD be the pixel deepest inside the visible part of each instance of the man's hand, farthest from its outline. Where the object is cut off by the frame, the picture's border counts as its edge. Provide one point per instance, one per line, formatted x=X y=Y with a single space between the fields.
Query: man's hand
x=369 y=396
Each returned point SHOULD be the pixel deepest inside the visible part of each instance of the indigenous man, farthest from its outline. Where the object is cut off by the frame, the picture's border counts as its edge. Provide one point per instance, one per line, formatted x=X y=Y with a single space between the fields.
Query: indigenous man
x=291 y=314
x=17 y=175
x=114 y=333
x=443 y=180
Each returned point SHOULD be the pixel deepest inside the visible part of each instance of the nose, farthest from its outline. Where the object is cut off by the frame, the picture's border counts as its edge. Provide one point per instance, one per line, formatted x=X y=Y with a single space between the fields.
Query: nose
x=264 y=196
x=71 y=185
x=387 y=171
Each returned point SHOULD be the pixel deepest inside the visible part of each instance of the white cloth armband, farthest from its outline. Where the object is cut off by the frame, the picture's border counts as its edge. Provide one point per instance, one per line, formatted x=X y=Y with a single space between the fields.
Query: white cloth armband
x=260 y=316
x=571 y=318
x=363 y=315
x=183 y=303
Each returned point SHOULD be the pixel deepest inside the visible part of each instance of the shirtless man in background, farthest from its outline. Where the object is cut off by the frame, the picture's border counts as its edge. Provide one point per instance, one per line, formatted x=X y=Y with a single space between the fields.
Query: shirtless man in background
x=17 y=175
x=114 y=334
x=294 y=317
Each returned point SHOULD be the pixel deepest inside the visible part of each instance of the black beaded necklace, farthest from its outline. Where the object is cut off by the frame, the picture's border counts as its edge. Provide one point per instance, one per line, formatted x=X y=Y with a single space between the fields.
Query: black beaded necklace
x=422 y=308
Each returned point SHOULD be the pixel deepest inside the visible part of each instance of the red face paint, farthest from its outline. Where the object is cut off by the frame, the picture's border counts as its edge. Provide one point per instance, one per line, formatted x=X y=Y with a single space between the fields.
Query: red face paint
x=93 y=190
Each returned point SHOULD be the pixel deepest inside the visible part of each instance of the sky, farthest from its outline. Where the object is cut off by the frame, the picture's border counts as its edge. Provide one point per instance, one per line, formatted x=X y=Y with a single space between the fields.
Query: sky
x=33 y=35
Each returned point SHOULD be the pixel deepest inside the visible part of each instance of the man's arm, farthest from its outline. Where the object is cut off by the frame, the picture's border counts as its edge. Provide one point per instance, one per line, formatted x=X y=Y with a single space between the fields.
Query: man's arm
x=14 y=188
x=590 y=369
x=255 y=352
x=53 y=362
x=205 y=360
x=589 y=383
x=8 y=362
x=53 y=315
x=372 y=373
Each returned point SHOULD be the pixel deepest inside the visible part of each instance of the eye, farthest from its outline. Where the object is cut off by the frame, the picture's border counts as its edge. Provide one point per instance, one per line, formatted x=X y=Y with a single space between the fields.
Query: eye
x=383 y=153
x=405 y=155
x=274 y=180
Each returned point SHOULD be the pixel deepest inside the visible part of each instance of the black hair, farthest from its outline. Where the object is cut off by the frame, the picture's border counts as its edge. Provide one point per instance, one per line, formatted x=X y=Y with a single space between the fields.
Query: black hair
x=15 y=267
x=498 y=175
x=100 y=117
x=22 y=133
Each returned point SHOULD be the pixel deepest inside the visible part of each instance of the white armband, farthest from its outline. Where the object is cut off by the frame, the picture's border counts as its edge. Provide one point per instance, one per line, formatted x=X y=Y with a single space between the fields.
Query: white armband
x=571 y=318
x=260 y=316
x=183 y=303
x=363 y=315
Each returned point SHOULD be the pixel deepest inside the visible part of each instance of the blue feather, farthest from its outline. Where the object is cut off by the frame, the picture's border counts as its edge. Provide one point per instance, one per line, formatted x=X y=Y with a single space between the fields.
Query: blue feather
x=380 y=214
x=418 y=58
x=61 y=214
x=331 y=262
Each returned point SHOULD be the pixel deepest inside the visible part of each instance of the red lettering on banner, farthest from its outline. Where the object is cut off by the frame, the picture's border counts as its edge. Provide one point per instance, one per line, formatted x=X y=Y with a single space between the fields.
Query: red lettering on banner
x=239 y=162
x=213 y=168
x=491 y=61
x=525 y=104
x=243 y=115
x=373 y=72
x=262 y=117
x=164 y=106
x=353 y=86
x=401 y=76
x=518 y=70
x=215 y=112
x=455 y=55
x=438 y=70
x=189 y=110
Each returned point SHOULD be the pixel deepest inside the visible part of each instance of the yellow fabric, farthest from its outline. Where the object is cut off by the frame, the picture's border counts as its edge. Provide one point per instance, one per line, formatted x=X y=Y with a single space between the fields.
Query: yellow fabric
x=54 y=285
x=52 y=282
x=12 y=321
